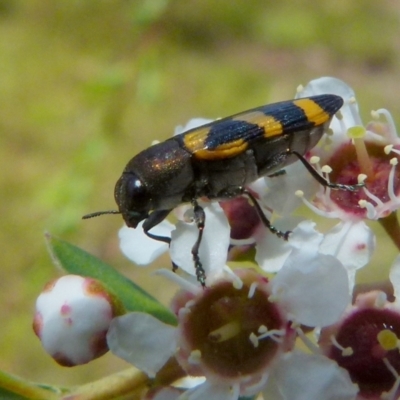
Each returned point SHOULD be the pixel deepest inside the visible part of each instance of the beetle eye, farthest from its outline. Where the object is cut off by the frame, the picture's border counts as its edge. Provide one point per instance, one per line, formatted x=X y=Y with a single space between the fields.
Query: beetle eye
x=136 y=193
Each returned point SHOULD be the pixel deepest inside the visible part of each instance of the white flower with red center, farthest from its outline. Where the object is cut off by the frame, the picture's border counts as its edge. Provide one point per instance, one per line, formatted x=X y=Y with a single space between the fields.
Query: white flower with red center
x=72 y=318
x=366 y=341
x=354 y=152
x=235 y=331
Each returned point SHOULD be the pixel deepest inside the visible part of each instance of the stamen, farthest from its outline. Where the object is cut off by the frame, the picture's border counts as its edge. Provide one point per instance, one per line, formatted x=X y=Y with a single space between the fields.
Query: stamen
x=195 y=357
x=390 y=123
x=374 y=198
x=361 y=178
x=329 y=132
x=346 y=351
x=299 y=88
x=276 y=296
x=374 y=114
x=339 y=115
x=380 y=300
x=391 y=394
x=314 y=160
x=357 y=133
x=179 y=280
x=387 y=149
x=322 y=213
x=354 y=110
x=326 y=169
x=392 y=149
x=262 y=329
x=342 y=124
x=252 y=289
x=274 y=334
x=371 y=212
x=307 y=342
x=237 y=283
x=225 y=332
x=392 y=195
x=254 y=339
x=387 y=339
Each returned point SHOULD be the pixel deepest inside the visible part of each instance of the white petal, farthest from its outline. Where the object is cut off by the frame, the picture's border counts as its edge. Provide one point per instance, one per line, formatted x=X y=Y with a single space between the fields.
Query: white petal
x=279 y=192
x=353 y=243
x=395 y=277
x=304 y=240
x=141 y=249
x=214 y=245
x=327 y=85
x=271 y=251
x=309 y=377
x=142 y=340
x=165 y=393
x=191 y=124
x=315 y=294
x=210 y=391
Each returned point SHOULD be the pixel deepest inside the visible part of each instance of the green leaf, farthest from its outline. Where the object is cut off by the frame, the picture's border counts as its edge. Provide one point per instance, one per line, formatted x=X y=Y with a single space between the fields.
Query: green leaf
x=74 y=260
x=15 y=388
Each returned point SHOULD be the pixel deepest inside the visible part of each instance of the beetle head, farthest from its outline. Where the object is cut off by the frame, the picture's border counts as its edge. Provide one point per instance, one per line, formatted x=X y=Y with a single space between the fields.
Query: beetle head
x=132 y=198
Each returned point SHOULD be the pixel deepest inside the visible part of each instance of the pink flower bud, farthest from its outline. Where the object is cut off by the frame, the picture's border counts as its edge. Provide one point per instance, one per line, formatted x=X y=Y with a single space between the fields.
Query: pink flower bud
x=72 y=318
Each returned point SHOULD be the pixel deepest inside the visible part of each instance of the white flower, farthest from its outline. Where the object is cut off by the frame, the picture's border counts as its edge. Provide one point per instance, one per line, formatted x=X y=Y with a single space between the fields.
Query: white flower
x=356 y=152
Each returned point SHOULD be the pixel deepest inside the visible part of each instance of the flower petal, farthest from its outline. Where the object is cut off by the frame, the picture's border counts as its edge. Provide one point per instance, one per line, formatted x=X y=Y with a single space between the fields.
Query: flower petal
x=191 y=124
x=395 y=277
x=214 y=244
x=211 y=391
x=302 y=376
x=314 y=294
x=141 y=249
x=352 y=242
x=279 y=192
x=142 y=340
x=304 y=240
x=327 y=85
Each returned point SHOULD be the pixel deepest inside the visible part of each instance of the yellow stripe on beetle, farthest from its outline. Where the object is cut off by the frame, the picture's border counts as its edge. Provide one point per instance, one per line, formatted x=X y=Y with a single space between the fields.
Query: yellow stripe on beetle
x=226 y=150
x=313 y=111
x=271 y=126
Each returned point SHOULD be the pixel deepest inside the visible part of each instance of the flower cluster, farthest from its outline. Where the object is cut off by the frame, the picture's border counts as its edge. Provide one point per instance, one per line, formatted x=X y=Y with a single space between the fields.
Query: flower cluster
x=295 y=325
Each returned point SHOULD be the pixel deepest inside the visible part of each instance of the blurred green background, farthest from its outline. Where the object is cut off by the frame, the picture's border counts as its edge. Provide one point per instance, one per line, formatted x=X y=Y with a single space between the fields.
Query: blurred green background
x=84 y=85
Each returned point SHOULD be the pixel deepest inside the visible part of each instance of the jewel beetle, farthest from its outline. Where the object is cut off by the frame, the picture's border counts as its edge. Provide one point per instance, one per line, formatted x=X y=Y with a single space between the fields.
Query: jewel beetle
x=218 y=160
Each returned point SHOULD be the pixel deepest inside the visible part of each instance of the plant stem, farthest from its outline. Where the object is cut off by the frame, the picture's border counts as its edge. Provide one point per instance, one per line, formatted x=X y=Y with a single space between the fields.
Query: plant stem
x=392 y=228
x=128 y=381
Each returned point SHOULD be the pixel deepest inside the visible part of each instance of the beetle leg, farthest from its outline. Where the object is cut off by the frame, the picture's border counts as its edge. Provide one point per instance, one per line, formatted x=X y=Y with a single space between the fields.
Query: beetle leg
x=264 y=219
x=154 y=219
x=199 y=219
x=320 y=179
x=277 y=173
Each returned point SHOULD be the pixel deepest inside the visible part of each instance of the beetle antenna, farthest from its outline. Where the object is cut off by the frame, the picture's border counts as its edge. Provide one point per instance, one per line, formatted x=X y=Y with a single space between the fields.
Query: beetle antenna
x=98 y=213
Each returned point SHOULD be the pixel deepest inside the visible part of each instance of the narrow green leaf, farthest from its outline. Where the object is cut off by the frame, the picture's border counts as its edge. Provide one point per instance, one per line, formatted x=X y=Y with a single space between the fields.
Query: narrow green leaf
x=74 y=260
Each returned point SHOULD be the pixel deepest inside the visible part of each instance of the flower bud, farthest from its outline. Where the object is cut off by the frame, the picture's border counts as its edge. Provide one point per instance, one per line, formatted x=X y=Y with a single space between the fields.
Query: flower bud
x=73 y=314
